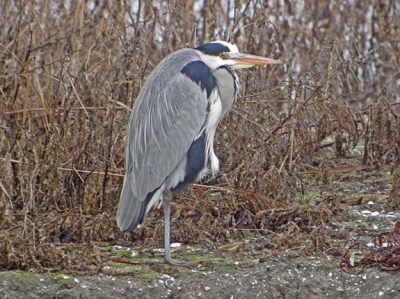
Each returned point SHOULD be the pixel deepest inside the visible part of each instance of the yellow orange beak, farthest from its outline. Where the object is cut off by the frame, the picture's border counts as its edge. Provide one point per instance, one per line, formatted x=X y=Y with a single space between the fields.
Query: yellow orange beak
x=247 y=60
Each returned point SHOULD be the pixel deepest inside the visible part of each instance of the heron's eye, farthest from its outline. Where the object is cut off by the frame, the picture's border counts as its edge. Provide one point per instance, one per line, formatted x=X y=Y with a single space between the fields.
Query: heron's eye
x=223 y=55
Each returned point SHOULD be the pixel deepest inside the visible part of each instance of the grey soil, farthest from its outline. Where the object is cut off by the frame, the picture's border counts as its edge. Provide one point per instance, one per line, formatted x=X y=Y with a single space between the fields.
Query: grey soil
x=301 y=279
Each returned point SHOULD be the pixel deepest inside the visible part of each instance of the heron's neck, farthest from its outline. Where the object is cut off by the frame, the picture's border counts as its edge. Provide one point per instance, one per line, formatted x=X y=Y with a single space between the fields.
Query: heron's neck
x=228 y=86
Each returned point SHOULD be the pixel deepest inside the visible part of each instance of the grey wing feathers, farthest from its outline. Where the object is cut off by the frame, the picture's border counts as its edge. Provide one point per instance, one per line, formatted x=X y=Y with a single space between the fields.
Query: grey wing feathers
x=170 y=111
x=129 y=212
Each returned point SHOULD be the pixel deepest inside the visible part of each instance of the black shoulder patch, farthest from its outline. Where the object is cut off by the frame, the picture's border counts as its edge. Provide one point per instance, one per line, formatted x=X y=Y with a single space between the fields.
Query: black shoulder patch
x=200 y=73
x=213 y=48
x=195 y=161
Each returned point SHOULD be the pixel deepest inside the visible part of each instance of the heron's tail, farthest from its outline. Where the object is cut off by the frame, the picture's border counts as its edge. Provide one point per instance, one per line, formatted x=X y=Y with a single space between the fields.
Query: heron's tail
x=131 y=211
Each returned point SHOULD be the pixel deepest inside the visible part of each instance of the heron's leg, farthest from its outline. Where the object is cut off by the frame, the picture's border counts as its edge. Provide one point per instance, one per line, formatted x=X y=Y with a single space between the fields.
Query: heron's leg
x=167 y=226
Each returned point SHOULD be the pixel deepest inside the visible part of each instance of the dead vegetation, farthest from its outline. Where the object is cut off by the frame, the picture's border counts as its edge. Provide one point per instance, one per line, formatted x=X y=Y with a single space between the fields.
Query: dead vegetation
x=69 y=71
x=385 y=257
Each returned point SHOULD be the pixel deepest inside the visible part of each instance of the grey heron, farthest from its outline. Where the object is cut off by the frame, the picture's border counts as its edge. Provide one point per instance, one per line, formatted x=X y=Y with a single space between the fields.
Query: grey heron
x=170 y=135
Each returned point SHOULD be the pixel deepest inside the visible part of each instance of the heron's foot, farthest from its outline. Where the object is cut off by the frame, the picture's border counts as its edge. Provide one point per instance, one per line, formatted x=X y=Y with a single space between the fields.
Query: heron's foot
x=211 y=178
x=169 y=260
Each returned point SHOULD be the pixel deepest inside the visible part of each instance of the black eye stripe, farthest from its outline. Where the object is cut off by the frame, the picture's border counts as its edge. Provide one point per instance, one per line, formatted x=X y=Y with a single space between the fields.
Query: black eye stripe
x=213 y=49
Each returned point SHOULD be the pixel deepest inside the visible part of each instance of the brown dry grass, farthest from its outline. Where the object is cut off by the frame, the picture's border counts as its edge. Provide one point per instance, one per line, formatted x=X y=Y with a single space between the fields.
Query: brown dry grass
x=68 y=76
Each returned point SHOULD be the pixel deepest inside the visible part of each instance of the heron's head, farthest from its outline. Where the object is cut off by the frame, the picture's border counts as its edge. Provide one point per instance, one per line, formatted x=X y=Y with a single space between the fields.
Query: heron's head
x=220 y=53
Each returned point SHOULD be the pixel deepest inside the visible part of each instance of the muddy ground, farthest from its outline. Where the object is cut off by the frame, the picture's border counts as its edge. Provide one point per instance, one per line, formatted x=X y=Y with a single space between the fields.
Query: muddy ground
x=277 y=278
